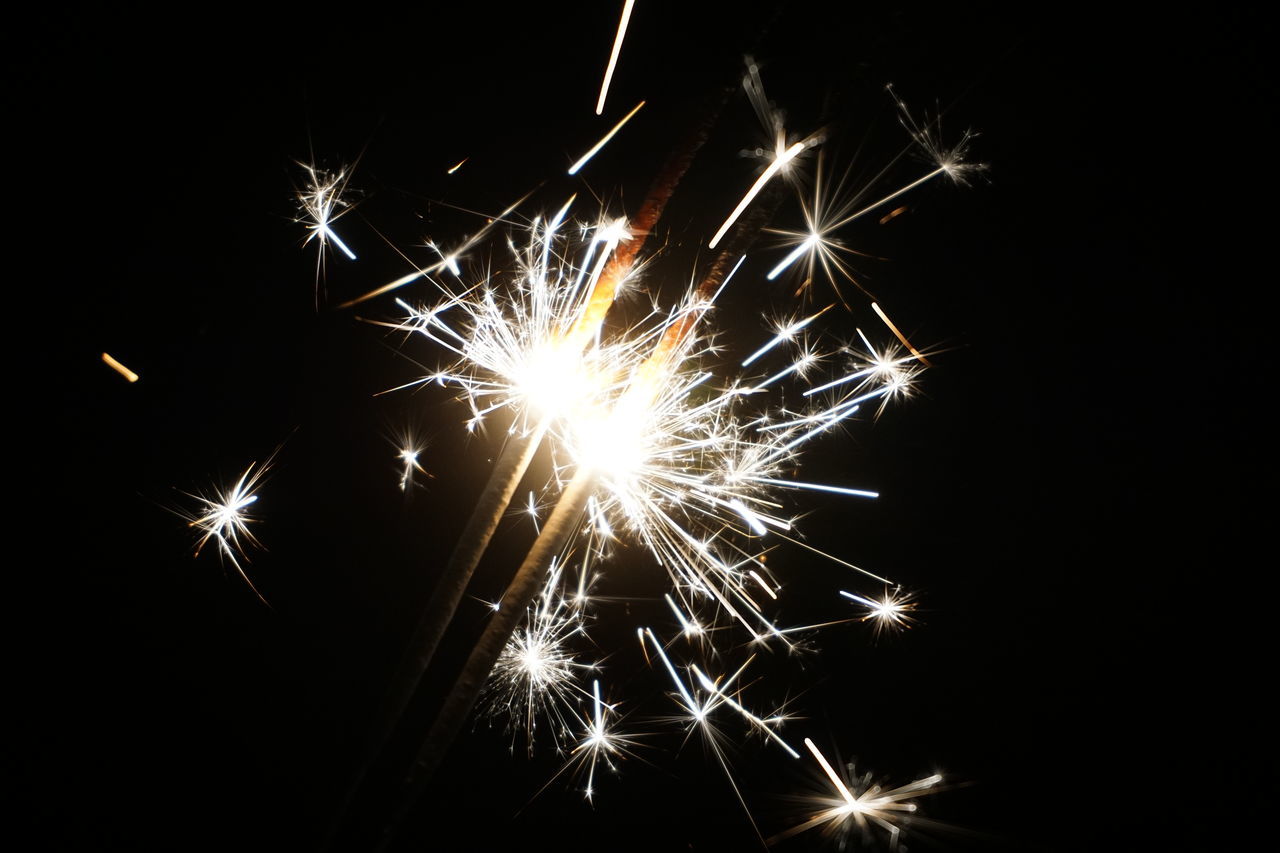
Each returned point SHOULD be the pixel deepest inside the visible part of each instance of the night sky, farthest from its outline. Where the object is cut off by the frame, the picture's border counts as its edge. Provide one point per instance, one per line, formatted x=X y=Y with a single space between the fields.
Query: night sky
x=1070 y=493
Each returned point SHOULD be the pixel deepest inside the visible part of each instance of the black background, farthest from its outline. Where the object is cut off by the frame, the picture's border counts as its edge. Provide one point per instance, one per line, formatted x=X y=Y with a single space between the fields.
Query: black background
x=1071 y=492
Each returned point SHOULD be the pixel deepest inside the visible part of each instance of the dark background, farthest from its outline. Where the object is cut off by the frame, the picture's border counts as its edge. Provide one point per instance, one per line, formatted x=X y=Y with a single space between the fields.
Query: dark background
x=1071 y=492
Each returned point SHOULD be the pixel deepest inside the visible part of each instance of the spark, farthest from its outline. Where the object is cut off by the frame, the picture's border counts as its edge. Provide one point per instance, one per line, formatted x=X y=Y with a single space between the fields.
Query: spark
x=427 y=271
x=861 y=803
x=786 y=332
x=409 y=456
x=322 y=203
x=889 y=611
x=613 y=56
x=600 y=743
x=893 y=214
x=806 y=246
x=456 y=166
x=120 y=368
x=782 y=159
x=224 y=520
x=906 y=343
x=582 y=161
x=536 y=675
x=950 y=161
x=532 y=508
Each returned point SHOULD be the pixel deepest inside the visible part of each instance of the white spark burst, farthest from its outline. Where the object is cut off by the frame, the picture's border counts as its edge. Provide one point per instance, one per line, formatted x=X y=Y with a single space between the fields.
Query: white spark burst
x=322 y=204
x=861 y=804
x=224 y=519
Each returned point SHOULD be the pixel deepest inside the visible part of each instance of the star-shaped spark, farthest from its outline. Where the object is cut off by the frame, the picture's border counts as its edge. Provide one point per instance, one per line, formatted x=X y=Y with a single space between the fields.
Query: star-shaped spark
x=224 y=520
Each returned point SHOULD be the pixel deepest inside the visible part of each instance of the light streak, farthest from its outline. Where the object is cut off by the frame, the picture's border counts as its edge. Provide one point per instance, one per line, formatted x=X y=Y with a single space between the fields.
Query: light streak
x=456 y=166
x=595 y=149
x=428 y=271
x=613 y=56
x=537 y=673
x=778 y=162
x=794 y=255
x=820 y=487
x=119 y=368
x=786 y=332
x=906 y=343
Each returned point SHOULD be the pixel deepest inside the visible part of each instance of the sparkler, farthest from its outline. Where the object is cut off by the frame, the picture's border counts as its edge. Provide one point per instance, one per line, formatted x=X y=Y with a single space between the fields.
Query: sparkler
x=645 y=442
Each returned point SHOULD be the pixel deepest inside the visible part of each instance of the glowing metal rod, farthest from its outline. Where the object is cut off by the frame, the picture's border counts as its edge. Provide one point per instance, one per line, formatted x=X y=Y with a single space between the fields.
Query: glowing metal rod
x=781 y=160
x=120 y=368
x=582 y=161
x=613 y=57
